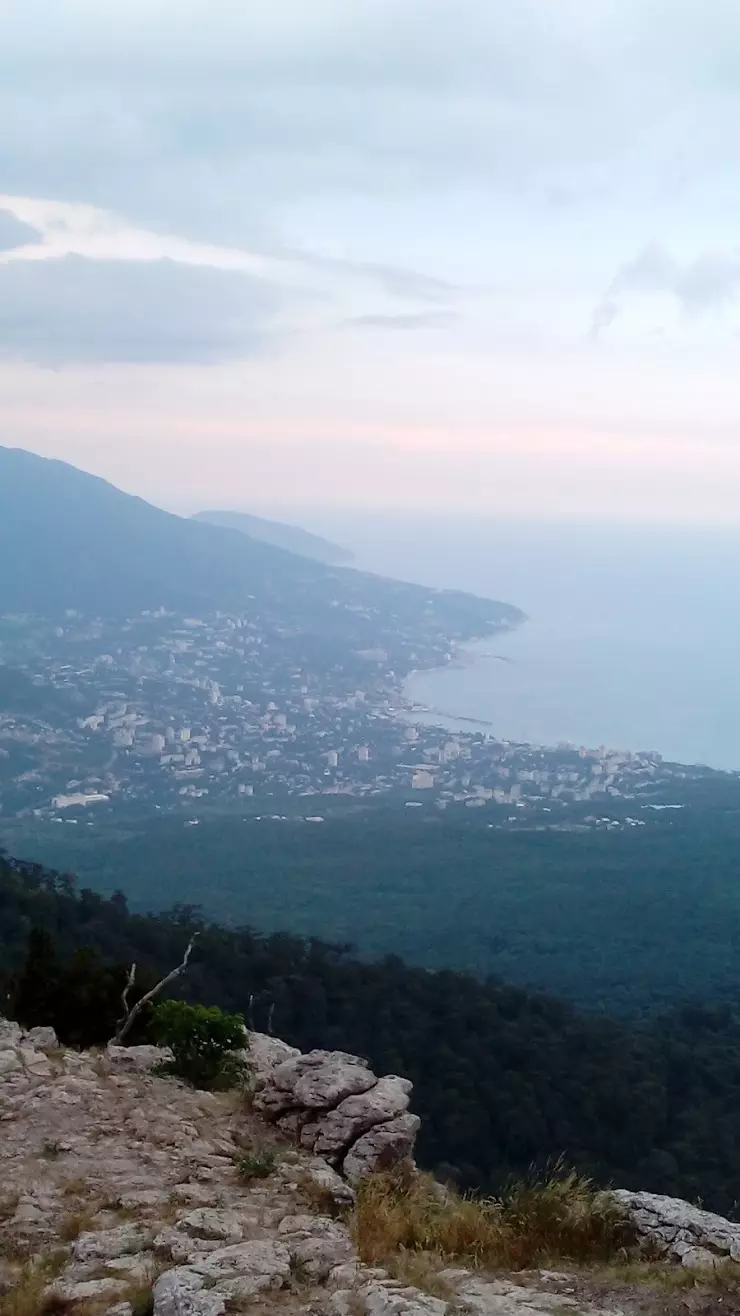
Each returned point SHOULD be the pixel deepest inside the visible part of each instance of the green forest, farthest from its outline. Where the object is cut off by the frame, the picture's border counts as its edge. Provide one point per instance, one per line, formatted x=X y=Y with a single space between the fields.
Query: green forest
x=505 y=1080
x=632 y=922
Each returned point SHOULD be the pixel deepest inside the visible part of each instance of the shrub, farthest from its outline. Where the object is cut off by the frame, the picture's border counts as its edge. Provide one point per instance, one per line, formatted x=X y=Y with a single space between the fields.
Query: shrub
x=560 y=1218
x=258 y=1163
x=206 y=1042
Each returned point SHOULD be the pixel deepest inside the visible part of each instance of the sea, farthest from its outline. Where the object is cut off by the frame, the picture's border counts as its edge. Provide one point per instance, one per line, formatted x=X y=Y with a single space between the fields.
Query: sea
x=632 y=637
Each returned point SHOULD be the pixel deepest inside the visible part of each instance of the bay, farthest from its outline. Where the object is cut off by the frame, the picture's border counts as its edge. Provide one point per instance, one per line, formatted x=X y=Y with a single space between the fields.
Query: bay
x=633 y=632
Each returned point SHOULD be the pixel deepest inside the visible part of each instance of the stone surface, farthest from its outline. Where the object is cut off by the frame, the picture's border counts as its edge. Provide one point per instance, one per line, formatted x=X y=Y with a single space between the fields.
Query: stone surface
x=209 y=1222
x=180 y=1292
x=332 y=1103
x=9 y=1062
x=264 y=1053
x=318 y=1244
x=499 y=1297
x=42 y=1038
x=336 y=1131
x=106 y=1243
x=86 y=1289
x=10 y=1033
x=138 y=1058
x=683 y=1233
x=149 y=1165
x=262 y=1263
x=381 y=1147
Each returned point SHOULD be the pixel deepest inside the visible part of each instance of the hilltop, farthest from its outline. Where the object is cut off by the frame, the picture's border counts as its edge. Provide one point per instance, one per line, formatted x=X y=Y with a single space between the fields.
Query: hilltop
x=290 y=537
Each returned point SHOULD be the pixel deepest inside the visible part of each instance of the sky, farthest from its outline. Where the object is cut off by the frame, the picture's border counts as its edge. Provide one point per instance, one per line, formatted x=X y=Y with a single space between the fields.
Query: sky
x=481 y=256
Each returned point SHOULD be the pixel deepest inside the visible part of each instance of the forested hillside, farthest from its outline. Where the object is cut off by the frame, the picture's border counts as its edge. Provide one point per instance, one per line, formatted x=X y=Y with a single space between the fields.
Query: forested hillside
x=504 y=1079
x=630 y=922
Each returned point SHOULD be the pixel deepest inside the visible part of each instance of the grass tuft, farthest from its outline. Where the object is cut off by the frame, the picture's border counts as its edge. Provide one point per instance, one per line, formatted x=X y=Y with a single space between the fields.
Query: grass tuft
x=76 y=1223
x=563 y=1217
x=258 y=1163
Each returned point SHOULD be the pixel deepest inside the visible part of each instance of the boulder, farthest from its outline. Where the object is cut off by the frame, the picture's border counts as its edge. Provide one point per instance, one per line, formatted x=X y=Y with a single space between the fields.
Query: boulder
x=42 y=1038
x=317 y=1243
x=679 y=1231
x=326 y=1183
x=10 y=1062
x=383 y=1146
x=336 y=1131
x=321 y=1079
x=264 y=1053
x=104 y=1244
x=180 y=1292
x=209 y=1222
x=87 y=1289
x=263 y=1263
x=10 y=1033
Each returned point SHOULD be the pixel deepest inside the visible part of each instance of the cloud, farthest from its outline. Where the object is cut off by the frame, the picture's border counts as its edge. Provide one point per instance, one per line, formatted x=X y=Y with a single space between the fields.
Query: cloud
x=14 y=233
x=705 y=284
x=418 y=320
x=72 y=310
x=218 y=111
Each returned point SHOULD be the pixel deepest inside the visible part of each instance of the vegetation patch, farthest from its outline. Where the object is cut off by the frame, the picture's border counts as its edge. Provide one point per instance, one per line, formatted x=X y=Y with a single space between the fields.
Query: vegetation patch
x=257 y=1163
x=560 y=1218
x=207 y=1043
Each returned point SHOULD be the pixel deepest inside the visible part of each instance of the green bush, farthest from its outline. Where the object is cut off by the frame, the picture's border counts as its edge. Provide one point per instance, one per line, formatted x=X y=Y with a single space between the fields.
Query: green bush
x=258 y=1163
x=205 y=1041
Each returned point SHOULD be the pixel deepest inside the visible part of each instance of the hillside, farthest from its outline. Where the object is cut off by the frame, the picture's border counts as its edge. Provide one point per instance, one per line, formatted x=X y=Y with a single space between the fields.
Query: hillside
x=504 y=1079
x=69 y=540
x=445 y=889
x=290 y=537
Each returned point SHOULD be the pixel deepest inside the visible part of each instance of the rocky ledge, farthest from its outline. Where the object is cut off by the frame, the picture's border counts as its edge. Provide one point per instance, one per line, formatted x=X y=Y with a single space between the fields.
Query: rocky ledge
x=116 y=1182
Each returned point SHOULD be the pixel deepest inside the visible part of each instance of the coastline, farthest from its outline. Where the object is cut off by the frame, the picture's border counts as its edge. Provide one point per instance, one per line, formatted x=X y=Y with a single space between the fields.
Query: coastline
x=464 y=656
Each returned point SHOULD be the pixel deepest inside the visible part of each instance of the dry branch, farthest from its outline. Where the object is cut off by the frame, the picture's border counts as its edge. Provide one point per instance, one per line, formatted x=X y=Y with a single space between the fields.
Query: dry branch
x=131 y=1013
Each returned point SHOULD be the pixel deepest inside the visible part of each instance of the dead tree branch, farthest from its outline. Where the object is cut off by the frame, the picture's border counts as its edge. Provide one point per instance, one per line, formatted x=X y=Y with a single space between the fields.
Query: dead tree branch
x=126 y=1023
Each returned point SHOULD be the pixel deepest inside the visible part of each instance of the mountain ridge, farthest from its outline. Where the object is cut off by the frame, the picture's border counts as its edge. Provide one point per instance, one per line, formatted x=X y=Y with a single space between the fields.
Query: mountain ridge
x=73 y=541
x=278 y=533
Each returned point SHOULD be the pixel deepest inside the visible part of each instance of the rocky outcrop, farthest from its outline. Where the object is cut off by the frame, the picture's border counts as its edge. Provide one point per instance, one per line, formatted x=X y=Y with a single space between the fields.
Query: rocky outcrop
x=332 y=1103
x=130 y=1180
x=671 y=1228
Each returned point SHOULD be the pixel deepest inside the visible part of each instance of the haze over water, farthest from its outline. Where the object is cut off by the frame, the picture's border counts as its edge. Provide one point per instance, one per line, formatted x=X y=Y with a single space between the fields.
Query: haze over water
x=633 y=636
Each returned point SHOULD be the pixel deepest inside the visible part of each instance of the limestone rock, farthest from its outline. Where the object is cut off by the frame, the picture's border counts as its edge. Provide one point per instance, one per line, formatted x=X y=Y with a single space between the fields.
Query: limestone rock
x=328 y=1183
x=180 y=1292
x=10 y=1062
x=320 y=1079
x=335 y=1132
x=481 y=1296
x=42 y=1038
x=208 y=1222
x=35 y=1062
x=138 y=1058
x=264 y=1053
x=10 y=1033
x=681 y=1232
x=383 y=1299
x=107 y=1243
x=381 y=1147
x=89 y=1288
x=263 y=1263
x=317 y=1243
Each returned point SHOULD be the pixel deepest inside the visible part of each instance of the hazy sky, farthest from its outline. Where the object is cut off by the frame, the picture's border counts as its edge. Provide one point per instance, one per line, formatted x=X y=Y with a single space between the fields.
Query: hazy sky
x=477 y=254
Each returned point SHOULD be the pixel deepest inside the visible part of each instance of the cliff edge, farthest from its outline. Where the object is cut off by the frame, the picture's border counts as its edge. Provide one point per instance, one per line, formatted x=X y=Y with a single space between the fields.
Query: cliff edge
x=125 y=1192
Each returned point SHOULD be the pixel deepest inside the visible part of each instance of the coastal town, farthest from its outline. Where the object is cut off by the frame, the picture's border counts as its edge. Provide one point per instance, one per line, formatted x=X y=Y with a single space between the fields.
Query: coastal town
x=191 y=715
